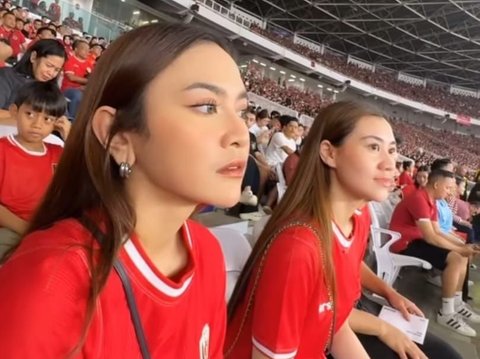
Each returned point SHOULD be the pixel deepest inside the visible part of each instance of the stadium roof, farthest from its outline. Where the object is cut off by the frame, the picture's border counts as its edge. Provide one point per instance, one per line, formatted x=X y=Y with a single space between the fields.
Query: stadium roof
x=436 y=39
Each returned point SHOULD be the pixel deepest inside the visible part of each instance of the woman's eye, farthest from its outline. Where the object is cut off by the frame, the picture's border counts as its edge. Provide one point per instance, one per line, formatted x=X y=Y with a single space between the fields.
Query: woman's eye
x=374 y=147
x=207 y=108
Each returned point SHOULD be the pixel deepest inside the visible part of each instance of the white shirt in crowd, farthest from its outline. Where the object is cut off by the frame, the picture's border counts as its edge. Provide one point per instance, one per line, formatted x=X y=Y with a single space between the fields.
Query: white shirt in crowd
x=256 y=130
x=275 y=154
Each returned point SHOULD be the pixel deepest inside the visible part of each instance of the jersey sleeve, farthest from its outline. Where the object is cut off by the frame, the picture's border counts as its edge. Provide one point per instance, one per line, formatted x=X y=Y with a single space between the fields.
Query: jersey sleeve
x=419 y=209
x=285 y=287
x=42 y=302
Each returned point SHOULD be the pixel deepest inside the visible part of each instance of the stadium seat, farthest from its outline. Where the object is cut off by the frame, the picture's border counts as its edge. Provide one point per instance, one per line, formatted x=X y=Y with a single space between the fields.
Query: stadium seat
x=282 y=183
x=388 y=264
x=236 y=249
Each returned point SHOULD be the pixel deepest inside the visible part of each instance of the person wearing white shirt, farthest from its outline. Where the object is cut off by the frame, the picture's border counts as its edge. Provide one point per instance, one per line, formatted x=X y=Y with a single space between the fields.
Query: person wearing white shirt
x=283 y=143
x=261 y=124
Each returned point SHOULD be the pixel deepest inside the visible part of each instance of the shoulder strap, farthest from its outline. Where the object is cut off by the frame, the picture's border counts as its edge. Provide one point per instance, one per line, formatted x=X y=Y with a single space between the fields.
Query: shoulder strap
x=132 y=305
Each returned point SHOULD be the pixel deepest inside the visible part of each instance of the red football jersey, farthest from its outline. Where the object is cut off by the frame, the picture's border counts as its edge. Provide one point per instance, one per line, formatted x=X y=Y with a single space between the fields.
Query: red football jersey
x=45 y=285
x=292 y=315
x=76 y=67
x=416 y=207
x=14 y=37
x=25 y=175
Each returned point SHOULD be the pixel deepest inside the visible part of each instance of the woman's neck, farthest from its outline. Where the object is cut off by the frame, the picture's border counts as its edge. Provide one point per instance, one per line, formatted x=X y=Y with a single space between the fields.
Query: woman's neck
x=343 y=207
x=159 y=218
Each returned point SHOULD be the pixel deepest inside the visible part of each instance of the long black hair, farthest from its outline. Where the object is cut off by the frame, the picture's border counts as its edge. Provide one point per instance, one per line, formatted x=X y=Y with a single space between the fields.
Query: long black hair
x=42 y=48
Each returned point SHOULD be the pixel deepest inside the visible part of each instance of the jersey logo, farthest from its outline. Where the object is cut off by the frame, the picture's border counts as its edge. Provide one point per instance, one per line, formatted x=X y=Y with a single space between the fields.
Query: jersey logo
x=324 y=307
x=204 y=342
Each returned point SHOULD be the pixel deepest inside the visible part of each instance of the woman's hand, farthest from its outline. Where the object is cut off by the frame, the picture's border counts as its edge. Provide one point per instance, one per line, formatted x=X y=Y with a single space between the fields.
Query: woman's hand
x=400 y=343
x=405 y=306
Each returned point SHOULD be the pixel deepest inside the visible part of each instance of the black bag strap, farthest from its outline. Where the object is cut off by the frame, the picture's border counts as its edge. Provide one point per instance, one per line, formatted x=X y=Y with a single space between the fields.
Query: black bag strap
x=127 y=287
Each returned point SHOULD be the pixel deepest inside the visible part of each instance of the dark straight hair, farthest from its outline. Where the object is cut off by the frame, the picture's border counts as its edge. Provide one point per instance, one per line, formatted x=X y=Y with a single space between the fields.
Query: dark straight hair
x=87 y=178
x=42 y=48
x=42 y=97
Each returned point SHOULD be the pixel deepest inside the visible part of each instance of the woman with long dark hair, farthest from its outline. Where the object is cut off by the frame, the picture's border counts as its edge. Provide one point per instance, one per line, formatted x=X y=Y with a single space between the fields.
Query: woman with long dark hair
x=111 y=266
x=303 y=277
x=42 y=62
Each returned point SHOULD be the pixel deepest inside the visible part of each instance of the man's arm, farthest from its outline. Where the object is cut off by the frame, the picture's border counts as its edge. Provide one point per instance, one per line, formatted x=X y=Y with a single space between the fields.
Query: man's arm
x=431 y=234
x=79 y=80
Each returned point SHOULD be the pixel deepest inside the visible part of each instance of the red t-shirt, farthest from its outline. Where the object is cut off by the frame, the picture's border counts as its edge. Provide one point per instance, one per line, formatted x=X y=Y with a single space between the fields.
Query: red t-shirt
x=25 y=175
x=76 y=67
x=14 y=37
x=292 y=314
x=405 y=179
x=416 y=207
x=45 y=284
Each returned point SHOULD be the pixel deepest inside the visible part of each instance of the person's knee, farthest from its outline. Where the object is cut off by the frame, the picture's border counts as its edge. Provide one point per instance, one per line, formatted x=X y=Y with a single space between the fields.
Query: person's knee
x=454 y=259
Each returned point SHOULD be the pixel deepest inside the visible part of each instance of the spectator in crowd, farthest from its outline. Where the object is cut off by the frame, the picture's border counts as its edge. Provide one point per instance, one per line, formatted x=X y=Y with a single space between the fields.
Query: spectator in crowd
x=461 y=209
x=55 y=11
x=75 y=76
x=38 y=110
x=262 y=121
x=112 y=185
x=95 y=53
x=406 y=177
x=416 y=219
x=5 y=52
x=46 y=33
x=42 y=62
x=9 y=32
x=282 y=143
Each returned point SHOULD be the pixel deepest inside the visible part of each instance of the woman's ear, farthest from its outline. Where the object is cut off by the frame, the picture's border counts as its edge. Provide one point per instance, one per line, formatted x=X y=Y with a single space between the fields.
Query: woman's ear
x=328 y=153
x=121 y=146
x=33 y=56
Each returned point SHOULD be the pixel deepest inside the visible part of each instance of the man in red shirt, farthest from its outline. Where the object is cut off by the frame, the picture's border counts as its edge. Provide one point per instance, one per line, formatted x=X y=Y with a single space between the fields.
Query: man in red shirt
x=10 y=33
x=75 y=75
x=416 y=219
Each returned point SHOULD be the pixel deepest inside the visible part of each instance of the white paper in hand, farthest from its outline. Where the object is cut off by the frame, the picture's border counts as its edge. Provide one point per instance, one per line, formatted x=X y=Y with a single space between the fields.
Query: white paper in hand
x=415 y=329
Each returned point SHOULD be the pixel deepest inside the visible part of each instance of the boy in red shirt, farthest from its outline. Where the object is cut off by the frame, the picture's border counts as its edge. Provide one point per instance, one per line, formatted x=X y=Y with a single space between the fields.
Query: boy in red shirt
x=76 y=71
x=27 y=163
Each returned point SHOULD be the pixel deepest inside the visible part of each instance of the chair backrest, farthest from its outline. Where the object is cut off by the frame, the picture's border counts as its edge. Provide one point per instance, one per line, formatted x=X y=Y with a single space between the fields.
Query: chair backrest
x=382 y=213
x=282 y=182
x=236 y=249
x=258 y=228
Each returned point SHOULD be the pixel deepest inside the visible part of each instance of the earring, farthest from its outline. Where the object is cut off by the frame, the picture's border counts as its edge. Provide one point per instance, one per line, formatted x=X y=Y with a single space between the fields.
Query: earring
x=125 y=170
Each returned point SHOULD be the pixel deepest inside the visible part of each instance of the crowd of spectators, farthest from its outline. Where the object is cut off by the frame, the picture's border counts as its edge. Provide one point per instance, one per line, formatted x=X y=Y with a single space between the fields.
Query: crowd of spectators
x=426 y=144
x=417 y=141
x=304 y=102
x=435 y=95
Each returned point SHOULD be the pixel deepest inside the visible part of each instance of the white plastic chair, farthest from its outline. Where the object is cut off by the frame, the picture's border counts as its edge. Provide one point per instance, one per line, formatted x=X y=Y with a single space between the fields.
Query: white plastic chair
x=389 y=264
x=236 y=249
x=282 y=182
x=258 y=227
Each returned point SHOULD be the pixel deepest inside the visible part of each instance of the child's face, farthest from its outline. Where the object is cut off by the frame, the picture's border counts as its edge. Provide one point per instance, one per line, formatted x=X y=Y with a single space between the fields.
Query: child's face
x=32 y=126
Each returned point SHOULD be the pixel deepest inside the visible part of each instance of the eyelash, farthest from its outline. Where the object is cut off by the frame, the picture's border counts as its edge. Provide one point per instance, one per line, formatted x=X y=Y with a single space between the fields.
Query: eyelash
x=211 y=103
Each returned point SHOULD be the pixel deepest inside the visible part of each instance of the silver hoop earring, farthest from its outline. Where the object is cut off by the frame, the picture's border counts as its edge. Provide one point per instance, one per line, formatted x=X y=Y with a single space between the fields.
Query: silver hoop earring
x=125 y=170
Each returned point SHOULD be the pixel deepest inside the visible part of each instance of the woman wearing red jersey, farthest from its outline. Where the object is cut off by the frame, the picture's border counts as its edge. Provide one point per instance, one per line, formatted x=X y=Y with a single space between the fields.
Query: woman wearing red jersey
x=111 y=267
x=304 y=275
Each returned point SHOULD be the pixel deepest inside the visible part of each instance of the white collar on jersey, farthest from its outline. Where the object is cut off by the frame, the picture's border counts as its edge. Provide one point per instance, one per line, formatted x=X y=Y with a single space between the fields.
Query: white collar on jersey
x=150 y=275
x=339 y=235
x=13 y=141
